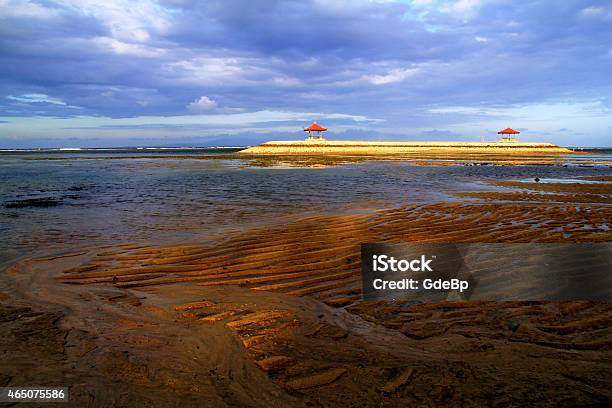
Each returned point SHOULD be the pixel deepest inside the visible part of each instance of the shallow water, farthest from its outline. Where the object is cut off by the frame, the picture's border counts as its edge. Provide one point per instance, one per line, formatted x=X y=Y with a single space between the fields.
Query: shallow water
x=562 y=181
x=64 y=204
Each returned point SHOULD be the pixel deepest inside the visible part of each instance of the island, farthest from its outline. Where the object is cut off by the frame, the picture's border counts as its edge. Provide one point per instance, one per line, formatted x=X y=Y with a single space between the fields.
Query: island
x=315 y=144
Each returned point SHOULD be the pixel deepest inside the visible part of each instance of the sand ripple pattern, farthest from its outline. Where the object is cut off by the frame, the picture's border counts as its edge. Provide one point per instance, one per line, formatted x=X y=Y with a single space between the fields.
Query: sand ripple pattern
x=319 y=256
x=387 y=353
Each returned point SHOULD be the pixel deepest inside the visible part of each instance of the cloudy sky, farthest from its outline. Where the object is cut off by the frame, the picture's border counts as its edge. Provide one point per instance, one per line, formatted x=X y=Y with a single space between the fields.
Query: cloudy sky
x=238 y=72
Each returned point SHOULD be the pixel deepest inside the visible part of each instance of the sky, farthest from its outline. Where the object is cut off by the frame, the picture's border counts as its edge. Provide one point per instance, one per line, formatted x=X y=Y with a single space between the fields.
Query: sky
x=115 y=73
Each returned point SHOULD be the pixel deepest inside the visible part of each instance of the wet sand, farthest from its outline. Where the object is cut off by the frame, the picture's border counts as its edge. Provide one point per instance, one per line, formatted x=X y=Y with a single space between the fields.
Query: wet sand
x=273 y=316
x=422 y=158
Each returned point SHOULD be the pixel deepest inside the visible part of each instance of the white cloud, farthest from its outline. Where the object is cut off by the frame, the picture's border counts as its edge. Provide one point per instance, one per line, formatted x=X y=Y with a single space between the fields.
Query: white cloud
x=206 y=70
x=395 y=75
x=120 y=47
x=460 y=9
x=461 y=6
x=553 y=111
x=285 y=81
x=36 y=98
x=356 y=118
x=597 y=12
x=127 y=21
x=203 y=103
x=231 y=70
x=25 y=8
x=215 y=121
x=456 y=109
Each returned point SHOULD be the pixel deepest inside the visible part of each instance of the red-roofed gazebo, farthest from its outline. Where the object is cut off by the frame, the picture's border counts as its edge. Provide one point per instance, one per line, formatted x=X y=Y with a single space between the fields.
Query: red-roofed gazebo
x=508 y=135
x=315 y=131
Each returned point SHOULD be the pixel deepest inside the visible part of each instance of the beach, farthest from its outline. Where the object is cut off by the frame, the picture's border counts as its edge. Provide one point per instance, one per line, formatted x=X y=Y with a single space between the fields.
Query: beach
x=259 y=303
x=375 y=203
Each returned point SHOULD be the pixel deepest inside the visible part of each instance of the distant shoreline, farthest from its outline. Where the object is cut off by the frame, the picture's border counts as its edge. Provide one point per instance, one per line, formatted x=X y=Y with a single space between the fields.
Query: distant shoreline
x=573 y=149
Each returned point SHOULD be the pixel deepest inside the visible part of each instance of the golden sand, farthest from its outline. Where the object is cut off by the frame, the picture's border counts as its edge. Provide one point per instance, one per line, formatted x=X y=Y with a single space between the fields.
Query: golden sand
x=390 y=148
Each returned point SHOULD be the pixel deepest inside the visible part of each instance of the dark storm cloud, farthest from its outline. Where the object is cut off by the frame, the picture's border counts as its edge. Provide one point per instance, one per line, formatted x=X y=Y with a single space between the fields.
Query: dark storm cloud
x=420 y=65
